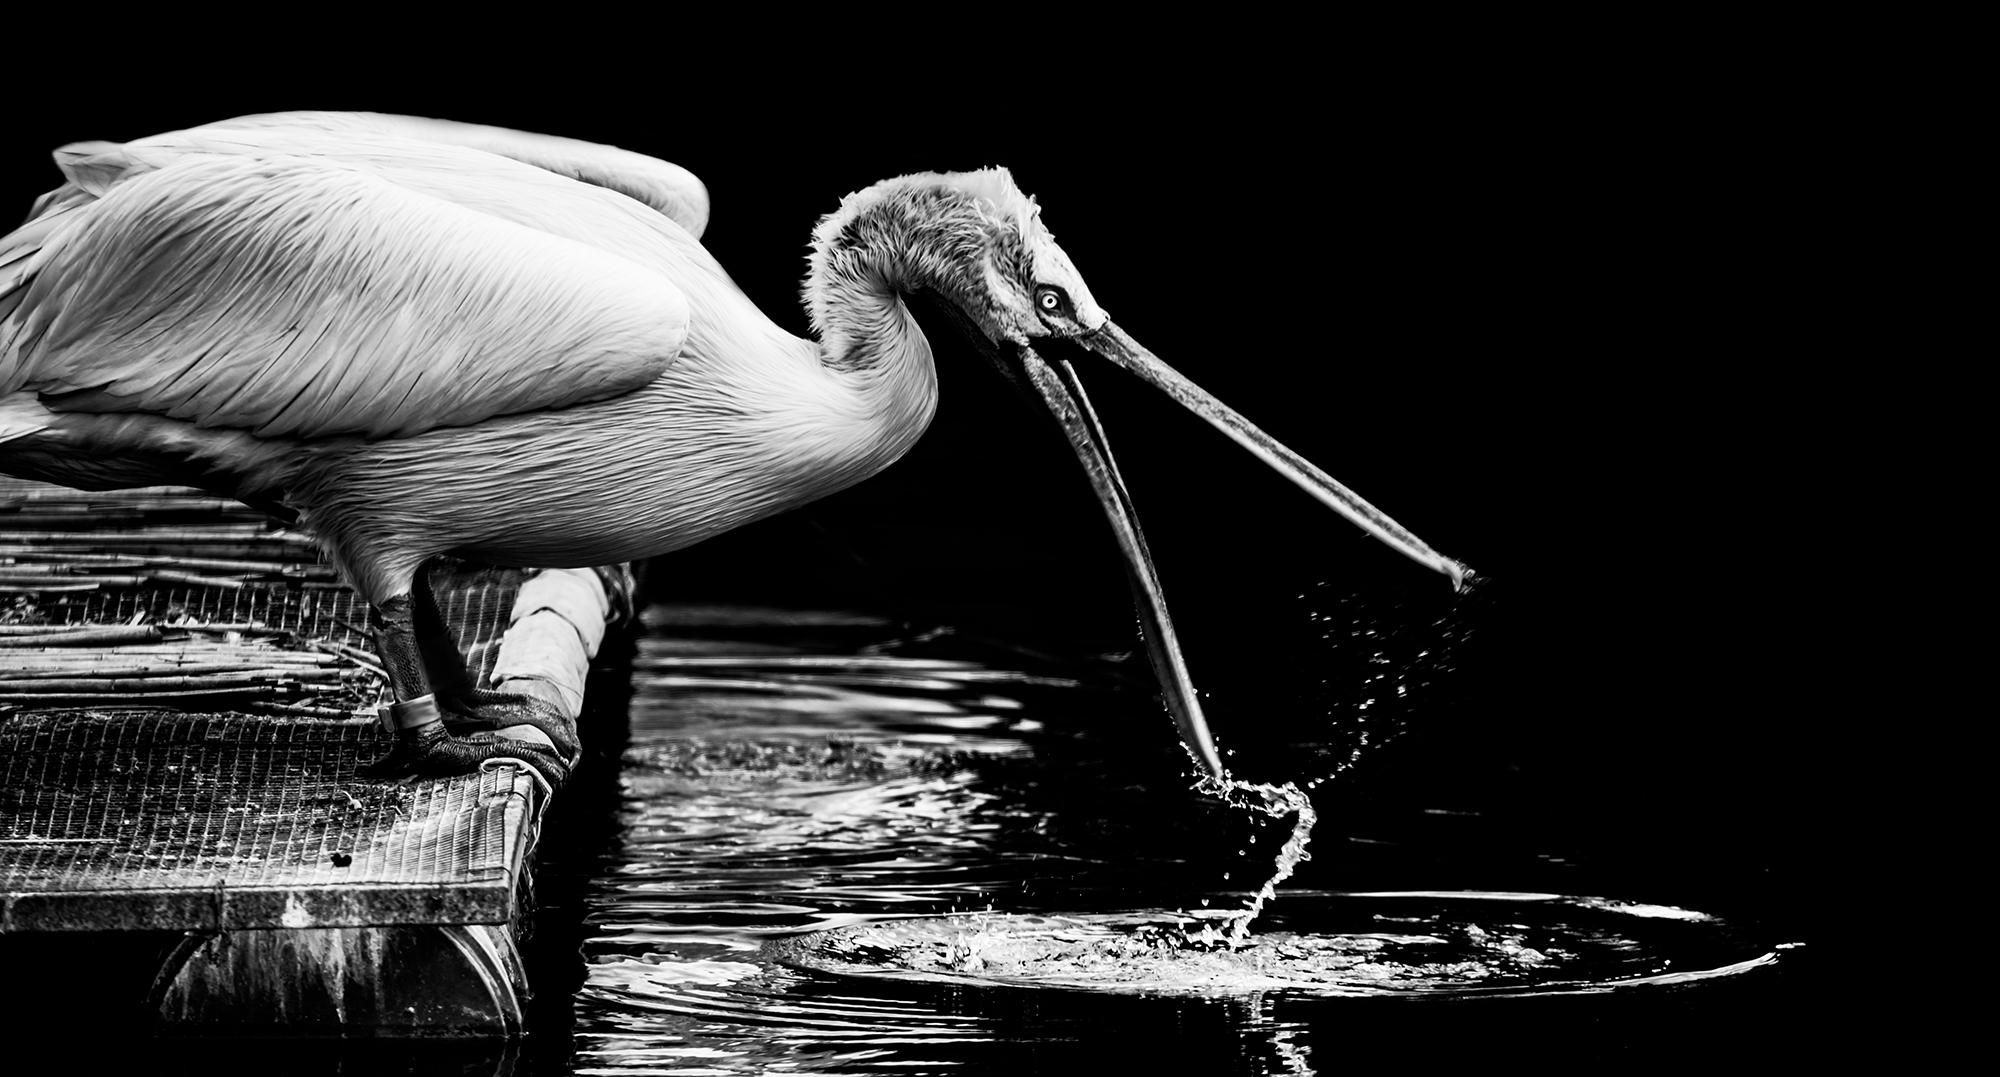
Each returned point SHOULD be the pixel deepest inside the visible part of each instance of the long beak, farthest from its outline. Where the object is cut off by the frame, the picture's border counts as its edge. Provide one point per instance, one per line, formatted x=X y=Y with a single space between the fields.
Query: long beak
x=1063 y=394
x=1112 y=343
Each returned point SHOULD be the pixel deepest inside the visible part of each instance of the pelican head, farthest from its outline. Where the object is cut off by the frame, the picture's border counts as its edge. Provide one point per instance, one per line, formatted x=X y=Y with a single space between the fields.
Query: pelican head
x=970 y=239
x=974 y=243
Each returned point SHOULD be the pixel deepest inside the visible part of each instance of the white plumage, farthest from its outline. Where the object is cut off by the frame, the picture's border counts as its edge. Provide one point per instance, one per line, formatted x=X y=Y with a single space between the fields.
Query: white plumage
x=432 y=348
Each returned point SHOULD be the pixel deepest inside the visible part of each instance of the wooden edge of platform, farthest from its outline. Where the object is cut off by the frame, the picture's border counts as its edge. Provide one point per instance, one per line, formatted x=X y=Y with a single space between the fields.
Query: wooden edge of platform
x=491 y=896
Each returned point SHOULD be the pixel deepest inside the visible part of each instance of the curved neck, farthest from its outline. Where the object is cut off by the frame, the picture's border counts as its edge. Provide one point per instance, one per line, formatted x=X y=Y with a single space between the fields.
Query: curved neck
x=857 y=306
x=866 y=257
x=871 y=253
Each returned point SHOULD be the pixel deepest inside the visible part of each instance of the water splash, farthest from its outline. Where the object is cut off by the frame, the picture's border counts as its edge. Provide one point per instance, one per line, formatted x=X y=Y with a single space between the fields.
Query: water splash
x=1385 y=654
x=1276 y=801
x=1404 y=944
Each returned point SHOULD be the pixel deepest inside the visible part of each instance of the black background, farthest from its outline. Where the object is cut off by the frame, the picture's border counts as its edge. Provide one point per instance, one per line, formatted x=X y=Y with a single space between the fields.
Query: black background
x=1543 y=310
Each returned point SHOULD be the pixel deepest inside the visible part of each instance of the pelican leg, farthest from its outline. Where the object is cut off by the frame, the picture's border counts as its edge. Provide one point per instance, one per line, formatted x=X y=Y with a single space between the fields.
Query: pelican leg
x=424 y=747
x=470 y=710
x=443 y=661
x=398 y=645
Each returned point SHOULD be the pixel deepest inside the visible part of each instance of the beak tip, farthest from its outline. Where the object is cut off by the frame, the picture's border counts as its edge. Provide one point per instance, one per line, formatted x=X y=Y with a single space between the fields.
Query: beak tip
x=1210 y=764
x=1197 y=741
x=1463 y=579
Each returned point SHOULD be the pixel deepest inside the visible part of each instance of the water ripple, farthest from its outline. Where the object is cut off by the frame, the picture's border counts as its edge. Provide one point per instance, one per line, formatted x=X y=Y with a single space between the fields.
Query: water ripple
x=772 y=798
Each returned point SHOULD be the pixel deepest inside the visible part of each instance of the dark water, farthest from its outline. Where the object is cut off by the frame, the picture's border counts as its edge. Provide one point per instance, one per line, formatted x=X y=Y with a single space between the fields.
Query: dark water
x=790 y=772
x=1512 y=864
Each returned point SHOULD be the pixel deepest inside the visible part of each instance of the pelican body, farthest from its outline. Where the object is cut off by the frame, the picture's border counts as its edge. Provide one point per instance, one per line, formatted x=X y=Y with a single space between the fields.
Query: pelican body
x=427 y=338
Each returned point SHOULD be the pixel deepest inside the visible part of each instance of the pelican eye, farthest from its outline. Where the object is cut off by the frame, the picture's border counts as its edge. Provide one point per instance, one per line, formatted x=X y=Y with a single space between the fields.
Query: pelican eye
x=1052 y=300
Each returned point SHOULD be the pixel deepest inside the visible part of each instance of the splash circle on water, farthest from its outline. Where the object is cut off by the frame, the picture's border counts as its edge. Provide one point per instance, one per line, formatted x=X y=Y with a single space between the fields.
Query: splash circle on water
x=1411 y=944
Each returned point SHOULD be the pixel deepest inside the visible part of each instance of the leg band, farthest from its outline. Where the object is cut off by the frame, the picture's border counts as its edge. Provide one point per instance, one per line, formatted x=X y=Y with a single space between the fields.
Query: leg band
x=411 y=715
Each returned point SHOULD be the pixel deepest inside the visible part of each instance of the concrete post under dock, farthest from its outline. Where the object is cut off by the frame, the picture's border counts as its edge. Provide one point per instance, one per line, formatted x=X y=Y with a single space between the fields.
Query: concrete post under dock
x=199 y=777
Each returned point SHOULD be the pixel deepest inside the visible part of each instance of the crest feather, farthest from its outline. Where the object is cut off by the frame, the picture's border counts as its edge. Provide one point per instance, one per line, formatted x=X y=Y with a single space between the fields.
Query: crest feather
x=994 y=186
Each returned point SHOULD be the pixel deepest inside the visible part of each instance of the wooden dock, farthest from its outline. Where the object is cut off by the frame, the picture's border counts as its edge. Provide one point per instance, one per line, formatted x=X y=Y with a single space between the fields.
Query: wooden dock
x=185 y=695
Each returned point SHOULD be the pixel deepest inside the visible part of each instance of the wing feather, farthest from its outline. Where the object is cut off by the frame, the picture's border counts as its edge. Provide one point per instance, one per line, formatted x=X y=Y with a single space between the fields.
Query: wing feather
x=666 y=187
x=495 y=185
x=302 y=295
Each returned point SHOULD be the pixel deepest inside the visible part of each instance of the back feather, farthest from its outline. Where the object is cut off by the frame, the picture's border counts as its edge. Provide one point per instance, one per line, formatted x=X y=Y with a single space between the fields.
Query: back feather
x=288 y=295
x=666 y=187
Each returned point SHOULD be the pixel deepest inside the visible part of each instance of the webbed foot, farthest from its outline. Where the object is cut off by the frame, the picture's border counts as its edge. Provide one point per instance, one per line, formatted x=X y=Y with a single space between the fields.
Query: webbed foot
x=503 y=726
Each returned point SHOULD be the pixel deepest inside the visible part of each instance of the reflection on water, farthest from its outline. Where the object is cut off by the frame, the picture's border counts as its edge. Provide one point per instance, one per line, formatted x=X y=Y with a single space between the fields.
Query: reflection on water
x=789 y=775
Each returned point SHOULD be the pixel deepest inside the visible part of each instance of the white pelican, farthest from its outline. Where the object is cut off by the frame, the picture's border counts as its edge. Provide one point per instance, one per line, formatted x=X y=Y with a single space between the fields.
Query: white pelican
x=429 y=338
